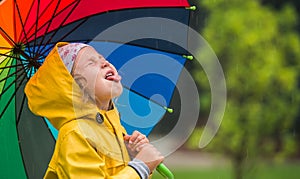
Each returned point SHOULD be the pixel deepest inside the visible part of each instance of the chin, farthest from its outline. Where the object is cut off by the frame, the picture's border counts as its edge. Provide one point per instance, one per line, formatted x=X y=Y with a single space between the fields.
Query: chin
x=117 y=91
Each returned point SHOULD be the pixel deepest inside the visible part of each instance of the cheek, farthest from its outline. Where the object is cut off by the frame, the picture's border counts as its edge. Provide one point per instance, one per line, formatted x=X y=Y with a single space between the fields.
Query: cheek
x=91 y=78
x=100 y=86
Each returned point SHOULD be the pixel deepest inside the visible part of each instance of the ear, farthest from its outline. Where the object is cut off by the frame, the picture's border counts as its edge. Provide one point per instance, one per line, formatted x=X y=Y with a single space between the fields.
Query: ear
x=81 y=81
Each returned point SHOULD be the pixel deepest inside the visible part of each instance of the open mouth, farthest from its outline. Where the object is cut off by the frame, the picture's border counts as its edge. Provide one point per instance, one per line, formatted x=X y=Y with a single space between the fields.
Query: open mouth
x=109 y=75
x=112 y=75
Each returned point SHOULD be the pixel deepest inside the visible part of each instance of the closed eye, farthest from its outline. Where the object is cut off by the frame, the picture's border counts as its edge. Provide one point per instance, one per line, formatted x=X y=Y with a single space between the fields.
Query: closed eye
x=91 y=61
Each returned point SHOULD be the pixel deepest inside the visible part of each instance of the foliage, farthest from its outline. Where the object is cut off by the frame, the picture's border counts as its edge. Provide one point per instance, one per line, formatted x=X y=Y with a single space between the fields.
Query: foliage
x=258 y=48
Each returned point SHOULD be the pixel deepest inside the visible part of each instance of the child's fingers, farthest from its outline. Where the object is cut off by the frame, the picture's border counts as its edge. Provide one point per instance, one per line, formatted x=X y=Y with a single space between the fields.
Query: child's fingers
x=141 y=139
x=136 y=141
x=136 y=137
x=133 y=137
x=126 y=137
x=141 y=142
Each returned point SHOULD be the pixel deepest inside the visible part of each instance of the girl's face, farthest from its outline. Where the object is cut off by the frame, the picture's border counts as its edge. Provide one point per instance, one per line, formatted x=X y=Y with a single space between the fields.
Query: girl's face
x=97 y=76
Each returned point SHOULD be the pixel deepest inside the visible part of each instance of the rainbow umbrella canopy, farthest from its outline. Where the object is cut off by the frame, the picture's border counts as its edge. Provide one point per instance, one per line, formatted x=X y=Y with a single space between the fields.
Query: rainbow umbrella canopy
x=28 y=31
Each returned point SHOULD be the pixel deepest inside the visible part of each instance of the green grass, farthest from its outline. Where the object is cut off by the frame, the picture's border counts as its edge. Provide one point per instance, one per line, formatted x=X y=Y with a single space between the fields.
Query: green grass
x=197 y=174
x=279 y=171
x=263 y=171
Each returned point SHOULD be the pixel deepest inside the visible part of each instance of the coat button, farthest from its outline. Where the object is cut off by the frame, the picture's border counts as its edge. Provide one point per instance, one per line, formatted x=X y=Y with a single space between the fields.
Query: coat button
x=99 y=118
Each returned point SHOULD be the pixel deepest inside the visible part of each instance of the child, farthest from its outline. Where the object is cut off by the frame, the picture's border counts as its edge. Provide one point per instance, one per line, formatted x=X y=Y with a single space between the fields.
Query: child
x=74 y=89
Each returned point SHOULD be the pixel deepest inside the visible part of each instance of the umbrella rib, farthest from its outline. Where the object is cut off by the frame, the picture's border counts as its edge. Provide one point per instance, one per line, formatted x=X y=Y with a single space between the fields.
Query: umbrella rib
x=67 y=34
x=30 y=29
x=22 y=104
x=31 y=72
x=49 y=24
x=140 y=94
x=152 y=48
x=6 y=36
x=14 y=81
x=25 y=22
x=12 y=74
x=142 y=46
x=16 y=57
x=11 y=66
x=5 y=48
x=61 y=24
x=44 y=50
x=18 y=76
x=9 y=86
x=36 y=25
x=5 y=55
x=14 y=21
x=6 y=67
x=10 y=58
x=9 y=101
x=22 y=23
x=30 y=9
x=49 y=21
x=6 y=60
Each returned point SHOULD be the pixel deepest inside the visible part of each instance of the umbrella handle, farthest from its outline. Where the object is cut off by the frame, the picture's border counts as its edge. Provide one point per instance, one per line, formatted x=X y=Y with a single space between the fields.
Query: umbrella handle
x=164 y=171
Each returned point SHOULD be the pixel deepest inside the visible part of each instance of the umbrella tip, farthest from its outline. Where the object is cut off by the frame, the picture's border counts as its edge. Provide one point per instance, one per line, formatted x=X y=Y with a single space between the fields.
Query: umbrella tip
x=192 y=8
x=189 y=57
x=170 y=110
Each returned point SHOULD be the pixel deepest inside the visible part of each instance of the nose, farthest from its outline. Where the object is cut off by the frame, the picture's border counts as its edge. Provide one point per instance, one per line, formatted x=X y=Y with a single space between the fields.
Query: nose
x=105 y=64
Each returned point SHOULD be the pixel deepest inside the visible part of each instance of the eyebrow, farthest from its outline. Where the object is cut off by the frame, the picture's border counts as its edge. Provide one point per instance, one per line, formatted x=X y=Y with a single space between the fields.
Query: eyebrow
x=101 y=56
x=91 y=59
x=87 y=63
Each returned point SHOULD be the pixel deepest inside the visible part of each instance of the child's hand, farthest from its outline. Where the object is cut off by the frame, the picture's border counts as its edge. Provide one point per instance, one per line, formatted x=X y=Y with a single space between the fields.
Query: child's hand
x=139 y=147
x=135 y=141
x=150 y=156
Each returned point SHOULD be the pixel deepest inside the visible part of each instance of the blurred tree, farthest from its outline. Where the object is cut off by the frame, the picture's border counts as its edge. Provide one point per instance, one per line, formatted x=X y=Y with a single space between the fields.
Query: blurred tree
x=281 y=3
x=259 y=50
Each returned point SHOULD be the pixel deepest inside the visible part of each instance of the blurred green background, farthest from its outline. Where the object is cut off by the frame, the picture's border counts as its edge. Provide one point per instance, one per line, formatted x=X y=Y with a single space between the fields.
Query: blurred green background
x=257 y=43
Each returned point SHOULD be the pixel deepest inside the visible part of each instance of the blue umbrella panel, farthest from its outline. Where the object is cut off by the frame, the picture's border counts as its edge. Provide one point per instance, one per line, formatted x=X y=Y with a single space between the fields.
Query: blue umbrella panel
x=149 y=78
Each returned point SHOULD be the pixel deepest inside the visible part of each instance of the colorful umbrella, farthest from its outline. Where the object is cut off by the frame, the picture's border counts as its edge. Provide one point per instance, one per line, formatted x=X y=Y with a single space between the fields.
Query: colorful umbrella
x=29 y=30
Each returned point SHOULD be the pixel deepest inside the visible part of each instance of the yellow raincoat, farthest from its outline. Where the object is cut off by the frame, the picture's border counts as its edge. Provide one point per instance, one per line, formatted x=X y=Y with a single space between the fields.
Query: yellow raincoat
x=85 y=148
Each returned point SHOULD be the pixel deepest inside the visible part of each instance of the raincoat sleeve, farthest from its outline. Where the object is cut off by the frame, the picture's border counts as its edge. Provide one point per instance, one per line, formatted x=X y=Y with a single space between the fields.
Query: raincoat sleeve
x=78 y=159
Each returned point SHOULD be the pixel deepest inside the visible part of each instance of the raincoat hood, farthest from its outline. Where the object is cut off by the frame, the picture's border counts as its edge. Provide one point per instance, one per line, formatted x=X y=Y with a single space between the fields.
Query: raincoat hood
x=53 y=93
